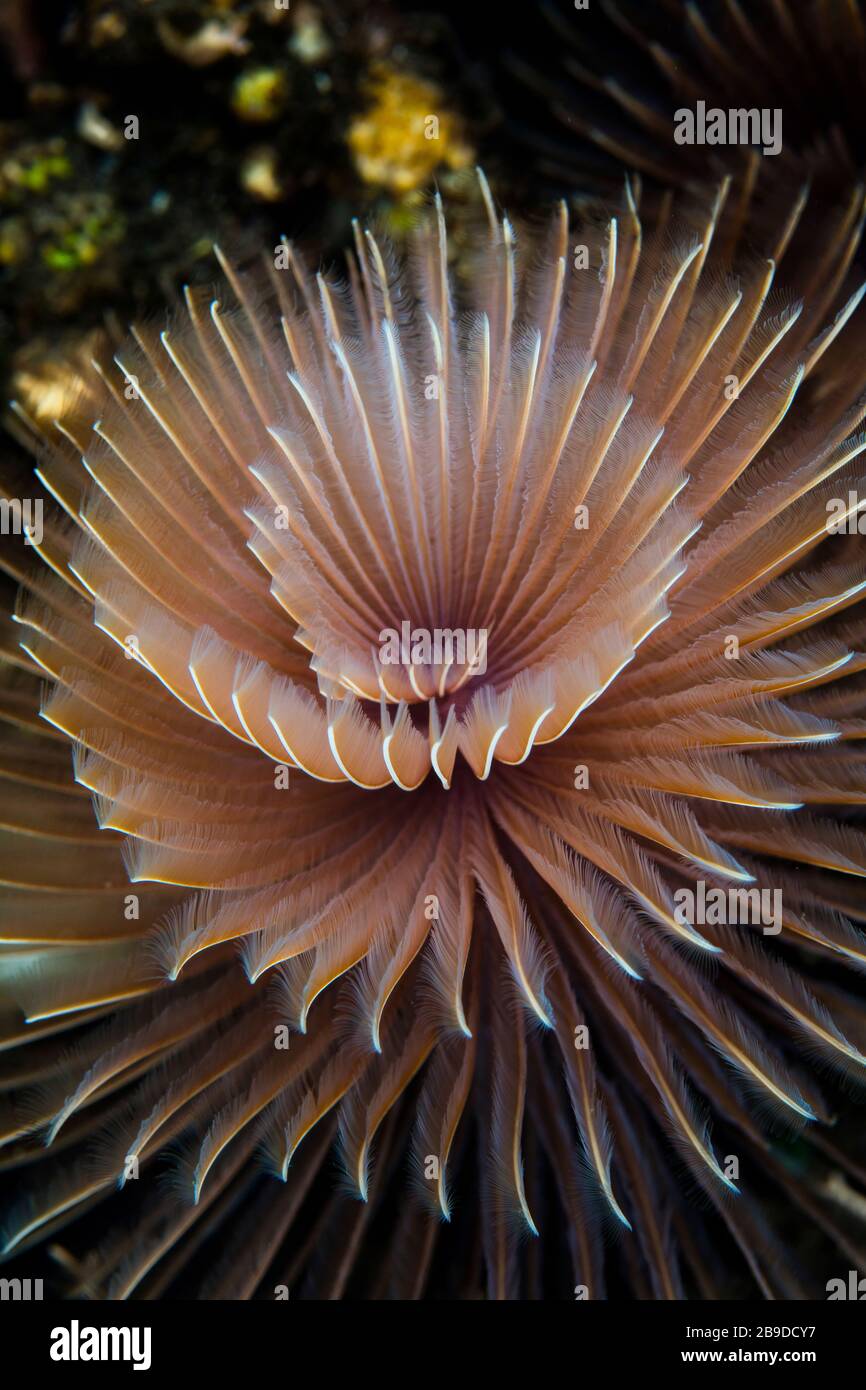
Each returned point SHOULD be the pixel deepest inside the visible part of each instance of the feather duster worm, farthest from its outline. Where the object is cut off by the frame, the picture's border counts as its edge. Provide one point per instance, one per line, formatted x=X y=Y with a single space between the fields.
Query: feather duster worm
x=460 y=889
